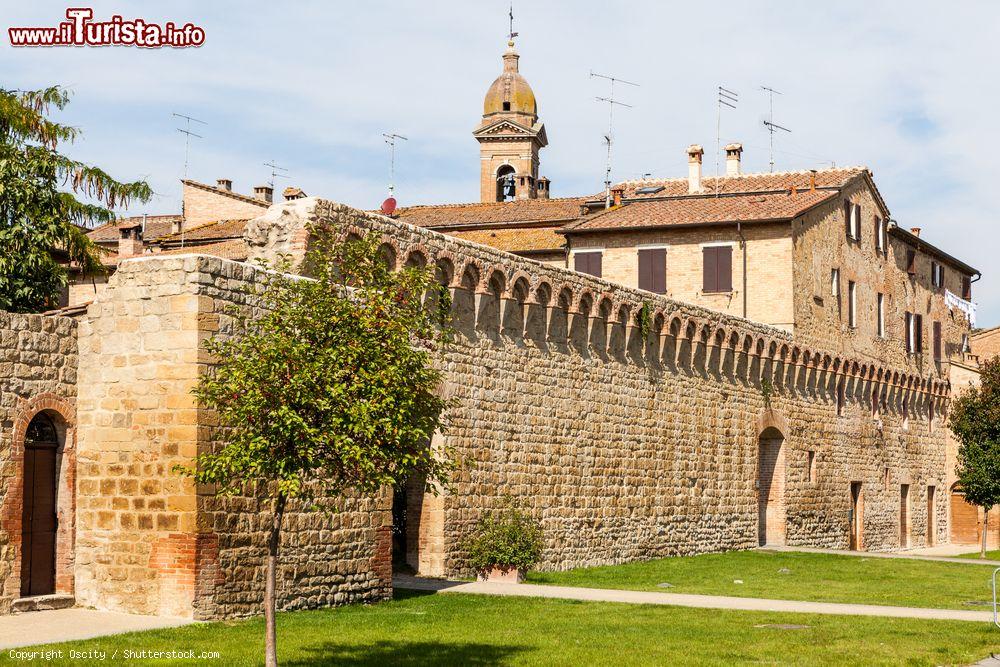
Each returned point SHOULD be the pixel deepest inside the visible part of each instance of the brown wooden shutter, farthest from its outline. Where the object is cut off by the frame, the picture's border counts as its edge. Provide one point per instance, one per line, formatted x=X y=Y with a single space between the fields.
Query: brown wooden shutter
x=710 y=270
x=906 y=326
x=857 y=222
x=653 y=270
x=911 y=261
x=937 y=341
x=725 y=263
x=588 y=262
x=918 y=332
x=847 y=218
x=966 y=288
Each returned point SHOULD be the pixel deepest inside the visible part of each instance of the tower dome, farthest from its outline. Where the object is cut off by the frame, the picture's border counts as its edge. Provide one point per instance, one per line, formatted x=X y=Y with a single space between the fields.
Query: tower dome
x=510 y=93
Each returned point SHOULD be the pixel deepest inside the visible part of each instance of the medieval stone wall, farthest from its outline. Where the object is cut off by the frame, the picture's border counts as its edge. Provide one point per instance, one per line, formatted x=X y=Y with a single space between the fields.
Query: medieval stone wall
x=38 y=367
x=148 y=540
x=631 y=424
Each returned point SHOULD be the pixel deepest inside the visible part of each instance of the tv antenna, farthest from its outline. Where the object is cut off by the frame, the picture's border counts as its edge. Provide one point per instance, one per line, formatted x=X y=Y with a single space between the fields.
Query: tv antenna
x=275 y=172
x=771 y=126
x=187 y=136
x=612 y=102
x=730 y=99
x=391 y=140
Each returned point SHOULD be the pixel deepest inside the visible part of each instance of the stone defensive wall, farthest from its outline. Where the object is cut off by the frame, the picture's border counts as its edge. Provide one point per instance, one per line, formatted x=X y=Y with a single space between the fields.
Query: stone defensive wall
x=636 y=427
x=38 y=367
x=148 y=541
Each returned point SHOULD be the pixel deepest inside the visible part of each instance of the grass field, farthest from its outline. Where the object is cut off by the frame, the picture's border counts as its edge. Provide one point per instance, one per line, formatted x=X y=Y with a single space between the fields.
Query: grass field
x=455 y=629
x=796 y=576
x=990 y=555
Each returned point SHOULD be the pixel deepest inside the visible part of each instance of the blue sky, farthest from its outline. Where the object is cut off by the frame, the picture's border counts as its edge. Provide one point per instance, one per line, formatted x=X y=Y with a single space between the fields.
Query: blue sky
x=903 y=88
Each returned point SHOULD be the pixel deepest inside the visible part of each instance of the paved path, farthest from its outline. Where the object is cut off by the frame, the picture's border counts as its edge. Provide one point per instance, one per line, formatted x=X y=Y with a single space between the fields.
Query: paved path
x=905 y=555
x=60 y=625
x=689 y=600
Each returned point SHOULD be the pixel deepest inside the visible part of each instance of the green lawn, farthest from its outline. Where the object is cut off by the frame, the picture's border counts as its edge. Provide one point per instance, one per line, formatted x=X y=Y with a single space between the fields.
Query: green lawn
x=796 y=576
x=990 y=555
x=478 y=630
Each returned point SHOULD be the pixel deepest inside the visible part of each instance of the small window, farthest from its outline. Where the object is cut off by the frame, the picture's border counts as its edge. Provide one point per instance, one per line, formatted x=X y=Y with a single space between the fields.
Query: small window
x=885 y=478
x=506 y=106
x=880 y=314
x=653 y=270
x=717 y=269
x=879 y=234
x=812 y=465
x=852 y=216
x=835 y=282
x=967 y=288
x=588 y=262
x=908 y=331
x=937 y=274
x=937 y=341
x=852 y=304
x=911 y=262
x=918 y=333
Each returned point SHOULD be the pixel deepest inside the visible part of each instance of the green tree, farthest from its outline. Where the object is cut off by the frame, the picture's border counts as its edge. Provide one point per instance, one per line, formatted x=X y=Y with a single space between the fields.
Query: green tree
x=40 y=214
x=329 y=390
x=975 y=421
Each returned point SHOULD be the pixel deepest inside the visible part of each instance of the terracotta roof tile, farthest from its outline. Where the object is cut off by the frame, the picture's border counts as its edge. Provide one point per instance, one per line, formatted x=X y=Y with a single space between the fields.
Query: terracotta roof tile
x=522 y=239
x=236 y=249
x=220 y=229
x=782 y=180
x=522 y=211
x=702 y=209
x=156 y=225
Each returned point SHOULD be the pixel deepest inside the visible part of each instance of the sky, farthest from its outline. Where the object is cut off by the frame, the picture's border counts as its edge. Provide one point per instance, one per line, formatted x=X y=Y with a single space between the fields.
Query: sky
x=904 y=88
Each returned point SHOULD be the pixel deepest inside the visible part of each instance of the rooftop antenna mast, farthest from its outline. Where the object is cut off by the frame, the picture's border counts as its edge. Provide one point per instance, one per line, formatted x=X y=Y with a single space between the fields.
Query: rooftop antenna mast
x=391 y=140
x=275 y=172
x=612 y=102
x=187 y=136
x=771 y=126
x=729 y=99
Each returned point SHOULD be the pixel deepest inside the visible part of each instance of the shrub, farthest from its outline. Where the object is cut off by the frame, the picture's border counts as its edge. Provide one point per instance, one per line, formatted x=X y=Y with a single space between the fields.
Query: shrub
x=507 y=538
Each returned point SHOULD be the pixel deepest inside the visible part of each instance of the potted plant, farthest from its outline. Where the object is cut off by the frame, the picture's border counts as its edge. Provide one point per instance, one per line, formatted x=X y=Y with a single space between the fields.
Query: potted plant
x=505 y=544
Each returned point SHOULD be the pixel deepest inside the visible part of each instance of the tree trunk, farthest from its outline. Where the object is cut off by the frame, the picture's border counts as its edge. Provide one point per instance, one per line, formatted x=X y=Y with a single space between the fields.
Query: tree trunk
x=270 y=641
x=986 y=522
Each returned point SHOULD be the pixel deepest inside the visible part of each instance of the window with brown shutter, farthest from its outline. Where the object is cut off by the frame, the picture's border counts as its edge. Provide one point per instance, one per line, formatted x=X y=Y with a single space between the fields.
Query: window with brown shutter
x=918 y=333
x=908 y=329
x=588 y=262
x=937 y=341
x=653 y=270
x=911 y=262
x=717 y=269
x=857 y=222
x=848 y=208
x=967 y=288
x=852 y=304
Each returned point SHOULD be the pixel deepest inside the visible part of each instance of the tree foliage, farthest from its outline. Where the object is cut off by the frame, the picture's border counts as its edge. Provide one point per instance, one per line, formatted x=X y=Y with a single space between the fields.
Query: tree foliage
x=38 y=215
x=975 y=421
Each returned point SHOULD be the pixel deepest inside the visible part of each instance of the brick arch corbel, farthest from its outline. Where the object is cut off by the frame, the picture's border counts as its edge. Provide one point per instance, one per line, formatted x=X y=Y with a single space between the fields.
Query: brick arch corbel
x=10 y=510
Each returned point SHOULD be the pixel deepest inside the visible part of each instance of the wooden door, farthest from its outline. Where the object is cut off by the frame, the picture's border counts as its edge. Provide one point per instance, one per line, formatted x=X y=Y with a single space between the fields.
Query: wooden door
x=904 y=516
x=857 y=517
x=931 y=523
x=38 y=512
x=964 y=520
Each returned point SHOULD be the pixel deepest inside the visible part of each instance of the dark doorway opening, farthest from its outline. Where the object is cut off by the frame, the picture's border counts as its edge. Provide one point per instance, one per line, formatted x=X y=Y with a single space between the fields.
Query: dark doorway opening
x=38 y=513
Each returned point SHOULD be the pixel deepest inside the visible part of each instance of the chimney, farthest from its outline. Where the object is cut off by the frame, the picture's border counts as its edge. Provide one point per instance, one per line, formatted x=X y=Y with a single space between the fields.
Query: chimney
x=176 y=225
x=733 y=152
x=616 y=196
x=812 y=180
x=130 y=241
x=263 y=193
x=543 y=187
x=224 y=184
x=915 y=231
x=694 y=167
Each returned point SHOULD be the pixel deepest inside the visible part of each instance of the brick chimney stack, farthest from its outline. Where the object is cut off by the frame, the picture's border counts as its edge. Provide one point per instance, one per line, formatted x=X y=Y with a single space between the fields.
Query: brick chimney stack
x=264 y=193
x=695 y=152
x=130 y=240
x=915 y=231
x=616 y=196
x=224 y=184
x=543 y=187
x=733 y=153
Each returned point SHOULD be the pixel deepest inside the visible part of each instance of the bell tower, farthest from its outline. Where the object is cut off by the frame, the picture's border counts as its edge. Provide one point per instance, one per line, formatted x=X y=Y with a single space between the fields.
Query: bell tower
x=510 y=137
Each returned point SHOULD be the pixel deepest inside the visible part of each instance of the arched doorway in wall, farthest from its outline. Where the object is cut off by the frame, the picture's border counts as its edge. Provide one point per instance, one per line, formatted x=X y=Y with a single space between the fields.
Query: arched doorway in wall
x=39 y=523
x=771 y=514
